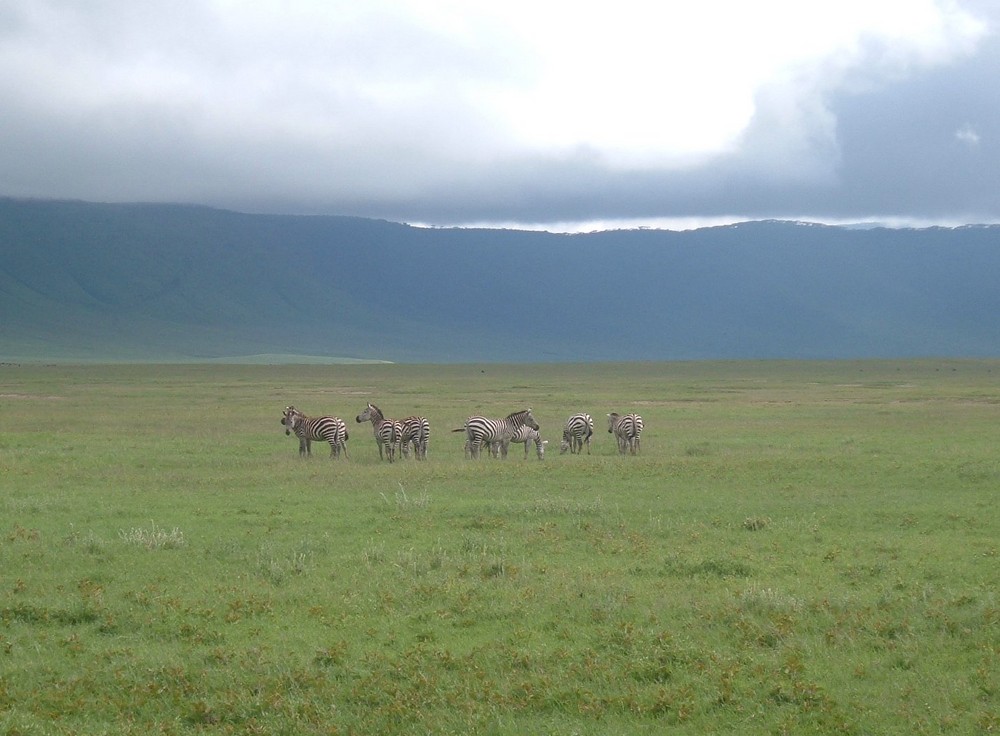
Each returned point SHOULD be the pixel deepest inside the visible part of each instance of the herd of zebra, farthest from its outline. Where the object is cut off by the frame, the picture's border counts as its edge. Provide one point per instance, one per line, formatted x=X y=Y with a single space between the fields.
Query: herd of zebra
x=398 y=436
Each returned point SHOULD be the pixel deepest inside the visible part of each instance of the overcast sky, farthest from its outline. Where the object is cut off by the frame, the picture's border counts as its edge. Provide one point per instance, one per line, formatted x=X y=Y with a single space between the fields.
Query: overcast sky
x=533 y=113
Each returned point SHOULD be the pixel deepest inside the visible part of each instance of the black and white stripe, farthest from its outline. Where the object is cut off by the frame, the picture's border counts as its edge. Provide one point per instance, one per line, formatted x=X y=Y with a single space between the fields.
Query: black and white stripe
x=326 y=429
x=386 y=431
x=627 y=430
x=577 y=432
x=416 y=430
x=480 y=431
x=527 y=435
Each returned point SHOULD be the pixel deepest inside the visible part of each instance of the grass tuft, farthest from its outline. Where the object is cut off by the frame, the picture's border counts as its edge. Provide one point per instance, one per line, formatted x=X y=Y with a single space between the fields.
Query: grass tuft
x=756 y=523
x=153 y=538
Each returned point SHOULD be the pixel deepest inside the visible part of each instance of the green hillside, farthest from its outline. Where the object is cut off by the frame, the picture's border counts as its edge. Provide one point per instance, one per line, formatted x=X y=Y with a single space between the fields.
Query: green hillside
x=81 y=281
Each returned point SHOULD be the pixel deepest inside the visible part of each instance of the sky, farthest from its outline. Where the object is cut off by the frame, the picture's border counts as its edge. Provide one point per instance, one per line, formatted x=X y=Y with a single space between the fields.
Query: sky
x=543 y=114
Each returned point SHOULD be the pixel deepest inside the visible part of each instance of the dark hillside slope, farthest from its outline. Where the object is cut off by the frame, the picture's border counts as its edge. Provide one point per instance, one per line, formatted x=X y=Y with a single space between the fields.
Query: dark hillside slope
x=163 y=282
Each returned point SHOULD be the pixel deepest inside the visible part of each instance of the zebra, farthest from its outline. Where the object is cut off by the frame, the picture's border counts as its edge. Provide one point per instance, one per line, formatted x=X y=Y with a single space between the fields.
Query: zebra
x=481 y=431
x=577 y=432
x=387 y=431
x=626 y=430
x=527 y=435
x=415 y=430
x=329 y=429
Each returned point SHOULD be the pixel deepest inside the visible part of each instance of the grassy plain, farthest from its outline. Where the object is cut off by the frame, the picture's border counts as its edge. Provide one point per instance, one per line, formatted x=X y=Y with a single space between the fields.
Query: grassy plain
x=800 y=548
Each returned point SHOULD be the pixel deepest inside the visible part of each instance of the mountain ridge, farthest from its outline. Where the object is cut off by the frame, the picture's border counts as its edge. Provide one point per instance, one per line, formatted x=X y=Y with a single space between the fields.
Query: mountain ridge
x=86 y=281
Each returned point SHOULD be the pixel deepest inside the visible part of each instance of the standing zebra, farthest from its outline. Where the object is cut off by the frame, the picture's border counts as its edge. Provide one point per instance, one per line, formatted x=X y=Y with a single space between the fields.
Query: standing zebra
x=480 y=431
x=386 y=431
x=328 y=429
x=577 y=432
x=527 y=435
x=626 y=430
x=415 y=430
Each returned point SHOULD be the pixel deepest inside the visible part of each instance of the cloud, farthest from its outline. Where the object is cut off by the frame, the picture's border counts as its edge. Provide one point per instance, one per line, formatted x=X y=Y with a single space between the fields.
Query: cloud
x=452 y=111
x=967 y=135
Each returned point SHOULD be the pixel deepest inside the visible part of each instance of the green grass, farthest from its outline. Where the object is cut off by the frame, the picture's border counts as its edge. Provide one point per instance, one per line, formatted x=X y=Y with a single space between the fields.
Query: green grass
x=800 y=548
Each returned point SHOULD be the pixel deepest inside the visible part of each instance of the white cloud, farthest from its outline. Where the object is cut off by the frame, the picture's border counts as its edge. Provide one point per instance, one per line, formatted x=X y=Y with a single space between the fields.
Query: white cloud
x=648 y=85
x=967 y=135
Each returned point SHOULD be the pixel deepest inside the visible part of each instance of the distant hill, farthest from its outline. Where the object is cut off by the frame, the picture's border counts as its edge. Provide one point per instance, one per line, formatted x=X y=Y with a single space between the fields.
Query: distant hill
x=147 y=282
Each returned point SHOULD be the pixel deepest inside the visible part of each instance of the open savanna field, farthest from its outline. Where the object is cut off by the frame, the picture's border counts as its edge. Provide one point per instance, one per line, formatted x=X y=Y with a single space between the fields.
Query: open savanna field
x=799 y=548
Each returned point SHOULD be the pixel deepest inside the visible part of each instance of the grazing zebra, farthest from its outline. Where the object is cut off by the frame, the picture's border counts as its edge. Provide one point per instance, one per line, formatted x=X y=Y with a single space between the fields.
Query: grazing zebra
x=328 y=429
x=527 y=435
x=386 y=431
x=416 y=431
x=577 y=432
x=626 y=430
x=481 y=431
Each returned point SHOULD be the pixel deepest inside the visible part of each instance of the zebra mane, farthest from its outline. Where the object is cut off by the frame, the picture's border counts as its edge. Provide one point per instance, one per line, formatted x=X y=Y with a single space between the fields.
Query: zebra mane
x=376 y=412
x=520 y=414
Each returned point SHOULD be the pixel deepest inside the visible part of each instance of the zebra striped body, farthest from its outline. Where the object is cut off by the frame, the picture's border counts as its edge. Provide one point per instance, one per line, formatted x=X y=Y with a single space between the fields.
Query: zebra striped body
x=527 y=435
x=577 y=432
x=480 y=431
x=626 y=430
x=386 y=431
x=416 y=431
x=328 y=429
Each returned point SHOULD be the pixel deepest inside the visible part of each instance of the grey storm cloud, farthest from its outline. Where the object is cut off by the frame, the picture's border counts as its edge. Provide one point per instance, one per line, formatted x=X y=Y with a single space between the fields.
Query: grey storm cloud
x=377 y=116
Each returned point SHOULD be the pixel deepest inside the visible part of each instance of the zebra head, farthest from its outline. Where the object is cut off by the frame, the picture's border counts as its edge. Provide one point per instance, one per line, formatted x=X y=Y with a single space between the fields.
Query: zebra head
x=523 y=417
x=564 y=444
x=288 y=418
x=613 y=418
x=371 y=412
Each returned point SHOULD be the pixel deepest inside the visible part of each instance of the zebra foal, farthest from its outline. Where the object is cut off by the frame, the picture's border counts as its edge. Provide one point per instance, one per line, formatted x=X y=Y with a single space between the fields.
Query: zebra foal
x=328 y=429
x=627 y=430
x=577 y=433
x=526 y=435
